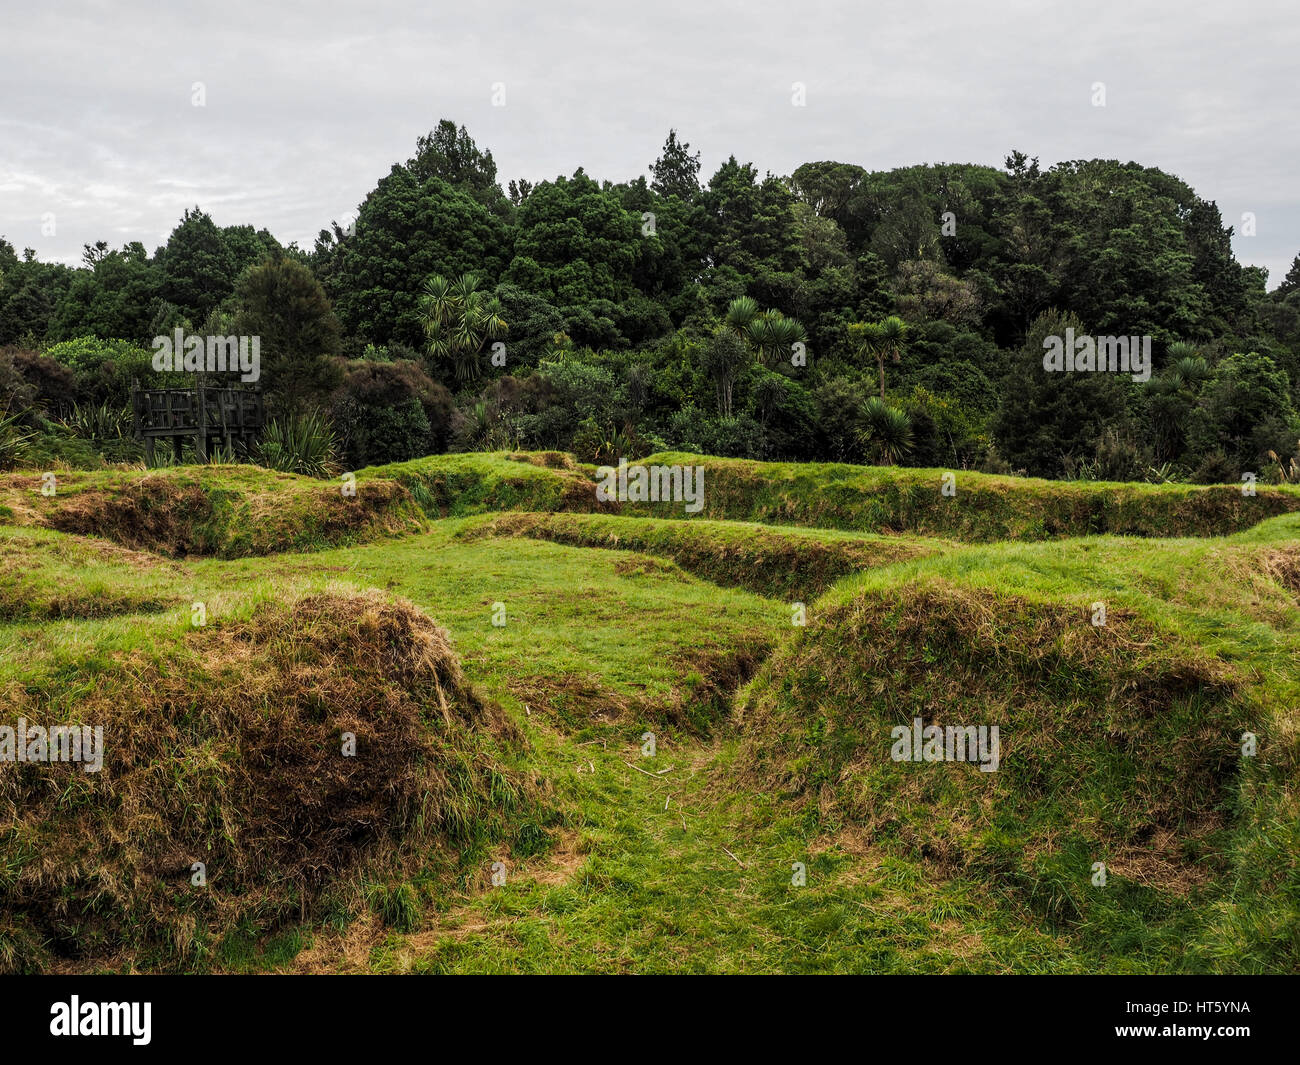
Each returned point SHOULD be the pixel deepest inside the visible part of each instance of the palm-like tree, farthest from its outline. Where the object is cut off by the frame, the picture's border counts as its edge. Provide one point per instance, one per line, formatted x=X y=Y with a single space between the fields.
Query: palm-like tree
x=885 y=430
x=458 y=319
x=1187 y=369
x=880 y=340
x=1171 y=394
x=740 y=313
x=722 y=357
x=768 y=334
x=772 y=335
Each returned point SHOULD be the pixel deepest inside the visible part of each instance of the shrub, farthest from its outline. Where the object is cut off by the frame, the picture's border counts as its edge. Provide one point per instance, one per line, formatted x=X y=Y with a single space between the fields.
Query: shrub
x=1244 y=412
x=785 y=410
x=99 y=423
x=837 y=402
x=302 y=444
x=15 y=441
x=15 y=390
x=390 y=412
x=1215 y=468
x=50 y=385
x=105 y=369
x=534 y=324
x=690 y=429
x=107 y=428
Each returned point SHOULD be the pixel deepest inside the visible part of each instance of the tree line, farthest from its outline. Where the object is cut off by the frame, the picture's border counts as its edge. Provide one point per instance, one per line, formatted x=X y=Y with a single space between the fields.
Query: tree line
x=835 y=314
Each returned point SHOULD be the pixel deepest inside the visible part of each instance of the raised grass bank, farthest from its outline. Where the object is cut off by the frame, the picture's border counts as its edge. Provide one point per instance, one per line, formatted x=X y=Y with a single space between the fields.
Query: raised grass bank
x=651 y=484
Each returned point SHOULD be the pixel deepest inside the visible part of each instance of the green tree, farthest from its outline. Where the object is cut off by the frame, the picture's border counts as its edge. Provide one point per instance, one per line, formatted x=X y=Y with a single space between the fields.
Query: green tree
x=784 y=411
x=1245 y=411
x=577 y=247
x=769 y=334
x=458 y=320
x=283 y=304
x=30 y=292
x=721 y=358
x=830 y=189
x=451 y=155
x=753 y=235
x=536 y=327
x=670 y=257
x=1170 y=397
x=885 y=431
x=407 y=229
x=111 y=298
x=825 y=298
x=925 y=291
x=1045 y=419
x=249 y=246
x=1291 y=282
x=198 y=268
x=880 y=340
x=676 y=172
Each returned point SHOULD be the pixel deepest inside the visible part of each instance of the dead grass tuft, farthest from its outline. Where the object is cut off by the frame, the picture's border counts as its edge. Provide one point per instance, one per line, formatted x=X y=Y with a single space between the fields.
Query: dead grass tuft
x=229 y=750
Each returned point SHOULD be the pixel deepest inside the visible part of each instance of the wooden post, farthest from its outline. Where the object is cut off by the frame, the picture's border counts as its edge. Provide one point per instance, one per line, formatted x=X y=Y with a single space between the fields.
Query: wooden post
x=201 y=440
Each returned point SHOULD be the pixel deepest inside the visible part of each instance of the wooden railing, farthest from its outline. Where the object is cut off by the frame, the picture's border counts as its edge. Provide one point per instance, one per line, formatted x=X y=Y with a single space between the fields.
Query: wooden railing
x=229 y=418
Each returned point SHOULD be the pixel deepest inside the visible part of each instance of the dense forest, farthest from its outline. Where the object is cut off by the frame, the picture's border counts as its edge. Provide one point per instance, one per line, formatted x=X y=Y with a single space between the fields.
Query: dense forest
x=837 y=314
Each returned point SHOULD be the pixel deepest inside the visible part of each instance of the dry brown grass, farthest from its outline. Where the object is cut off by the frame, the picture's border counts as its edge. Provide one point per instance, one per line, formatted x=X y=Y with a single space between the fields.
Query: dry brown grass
x=152 y=513
x=202 y=511
x=229 y=752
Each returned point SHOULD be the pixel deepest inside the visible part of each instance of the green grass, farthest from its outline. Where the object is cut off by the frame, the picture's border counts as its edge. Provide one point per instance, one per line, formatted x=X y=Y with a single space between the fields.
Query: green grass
x=771 y=738
x=780 y=562
x=232 y=511
x=984 y=507
x=590 y=631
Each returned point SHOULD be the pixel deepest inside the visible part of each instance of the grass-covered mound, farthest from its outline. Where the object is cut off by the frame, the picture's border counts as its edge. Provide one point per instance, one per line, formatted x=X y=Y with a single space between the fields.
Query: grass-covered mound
x=1119 y=744
x=589 y=634
x=227 y=745
x=35 y=567
x=1109 y=731
x=476 y=483
x=870 y=499
x=889 y=499
x=865 y=499
x=223 y=745
x=239 y=511
x=243 y=511
x=226 y=511
x=789 y=563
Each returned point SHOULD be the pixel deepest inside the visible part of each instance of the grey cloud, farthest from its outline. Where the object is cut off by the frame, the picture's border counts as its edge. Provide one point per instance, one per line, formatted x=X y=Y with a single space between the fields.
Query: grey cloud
x=309 y=104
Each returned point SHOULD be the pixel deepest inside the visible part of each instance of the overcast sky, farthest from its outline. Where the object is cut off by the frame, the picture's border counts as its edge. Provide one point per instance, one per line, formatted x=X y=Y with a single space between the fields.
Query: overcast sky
x=308 y=104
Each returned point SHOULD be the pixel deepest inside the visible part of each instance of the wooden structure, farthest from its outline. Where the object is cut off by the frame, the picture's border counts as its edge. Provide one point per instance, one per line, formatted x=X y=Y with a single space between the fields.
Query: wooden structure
x=213 y=418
